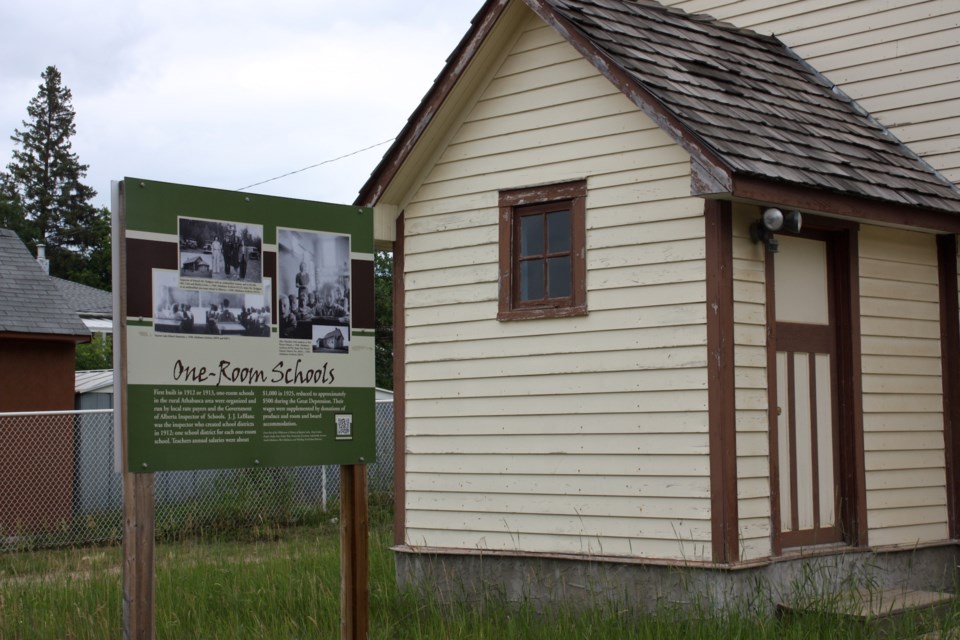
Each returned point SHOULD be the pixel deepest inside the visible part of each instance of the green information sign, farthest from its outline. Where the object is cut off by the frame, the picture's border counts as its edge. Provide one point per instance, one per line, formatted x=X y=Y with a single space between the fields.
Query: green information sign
x=249 y=335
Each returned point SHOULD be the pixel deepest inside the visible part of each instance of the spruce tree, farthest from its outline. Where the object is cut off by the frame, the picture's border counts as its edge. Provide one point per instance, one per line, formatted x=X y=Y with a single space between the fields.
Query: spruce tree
x=43 y=196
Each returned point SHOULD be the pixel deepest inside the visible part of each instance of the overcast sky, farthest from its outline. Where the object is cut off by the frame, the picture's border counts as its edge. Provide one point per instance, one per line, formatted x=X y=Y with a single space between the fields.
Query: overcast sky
x=224 y=94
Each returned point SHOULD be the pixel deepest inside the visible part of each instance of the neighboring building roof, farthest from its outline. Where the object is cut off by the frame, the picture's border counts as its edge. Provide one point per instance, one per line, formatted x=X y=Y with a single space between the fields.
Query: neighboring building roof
x=742 y=104
x=94 y=381
x=98 y=325
x=29 y=300
x=84 y=299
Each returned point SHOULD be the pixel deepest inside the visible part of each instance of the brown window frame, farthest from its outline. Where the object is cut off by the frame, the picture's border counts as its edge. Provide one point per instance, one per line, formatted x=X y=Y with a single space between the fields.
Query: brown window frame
x=514 y=204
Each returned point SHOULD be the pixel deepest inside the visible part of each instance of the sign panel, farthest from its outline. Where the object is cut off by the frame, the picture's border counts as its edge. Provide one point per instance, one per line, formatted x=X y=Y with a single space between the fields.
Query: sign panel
x=249 y=329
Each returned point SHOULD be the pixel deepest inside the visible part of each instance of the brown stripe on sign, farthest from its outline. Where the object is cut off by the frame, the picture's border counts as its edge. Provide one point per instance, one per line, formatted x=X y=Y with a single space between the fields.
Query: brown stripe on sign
x=362 y=311
x=269 y=270
x=143 y=256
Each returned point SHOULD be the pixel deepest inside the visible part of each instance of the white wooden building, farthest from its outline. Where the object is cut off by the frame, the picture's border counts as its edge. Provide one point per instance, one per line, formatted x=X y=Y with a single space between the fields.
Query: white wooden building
x=601 y=352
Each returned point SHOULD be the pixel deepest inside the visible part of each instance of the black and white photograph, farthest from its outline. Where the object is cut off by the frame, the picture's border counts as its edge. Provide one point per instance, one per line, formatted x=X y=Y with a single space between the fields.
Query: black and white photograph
x=220 y=250
x=212 y=313
x=331 y=339
x=313 y=292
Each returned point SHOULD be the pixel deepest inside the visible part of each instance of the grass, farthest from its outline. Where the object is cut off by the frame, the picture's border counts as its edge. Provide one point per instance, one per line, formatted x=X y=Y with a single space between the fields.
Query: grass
x=283 y=583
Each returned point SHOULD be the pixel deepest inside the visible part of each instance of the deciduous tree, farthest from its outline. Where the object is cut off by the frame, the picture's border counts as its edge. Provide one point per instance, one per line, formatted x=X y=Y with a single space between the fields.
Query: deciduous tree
x=383 y=308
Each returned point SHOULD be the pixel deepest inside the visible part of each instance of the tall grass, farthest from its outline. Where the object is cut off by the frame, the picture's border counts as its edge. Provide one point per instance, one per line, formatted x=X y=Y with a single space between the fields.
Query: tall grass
x=283 y=584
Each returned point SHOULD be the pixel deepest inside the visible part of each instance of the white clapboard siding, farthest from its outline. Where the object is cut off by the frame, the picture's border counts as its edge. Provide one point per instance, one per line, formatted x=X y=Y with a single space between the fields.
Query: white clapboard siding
x=545 y=405
x=550 y=464
x=902 y=387
x=616 y=360
x=900 y=59
x=902 y=421
x=894 y=536
x=630 y=486
x=580 y=505
x=583 y=435
x=906 y=497
x=895 y=479
x=573 y=423
x=471 y=346
x=638 y=528
x=750 y=366
x=570 y=542
x=752 y=420
x=567 y=444
x=525 y=338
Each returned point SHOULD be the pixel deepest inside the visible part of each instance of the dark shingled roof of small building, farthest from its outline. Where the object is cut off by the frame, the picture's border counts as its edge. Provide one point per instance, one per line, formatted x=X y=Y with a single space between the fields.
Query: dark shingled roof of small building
x=29 y=300
x=755 y=104
x=84 y=299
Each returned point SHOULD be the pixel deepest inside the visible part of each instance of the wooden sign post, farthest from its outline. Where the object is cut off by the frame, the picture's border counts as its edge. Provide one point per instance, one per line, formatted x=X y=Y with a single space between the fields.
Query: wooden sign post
x=354 y=559
x=138 y=497
x=138 y=563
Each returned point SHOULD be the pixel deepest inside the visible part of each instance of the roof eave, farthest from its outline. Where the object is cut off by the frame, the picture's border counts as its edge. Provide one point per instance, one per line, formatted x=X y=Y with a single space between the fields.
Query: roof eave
x=851 y=206
x=46 y=337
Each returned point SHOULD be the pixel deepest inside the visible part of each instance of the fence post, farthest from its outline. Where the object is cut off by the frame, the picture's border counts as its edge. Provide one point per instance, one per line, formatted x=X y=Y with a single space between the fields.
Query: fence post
x=323 y=487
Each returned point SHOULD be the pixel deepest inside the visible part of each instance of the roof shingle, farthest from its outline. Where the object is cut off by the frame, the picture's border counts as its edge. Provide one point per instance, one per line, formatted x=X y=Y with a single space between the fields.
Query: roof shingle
x=30 y=301
x=85 y=300
x=761 y=109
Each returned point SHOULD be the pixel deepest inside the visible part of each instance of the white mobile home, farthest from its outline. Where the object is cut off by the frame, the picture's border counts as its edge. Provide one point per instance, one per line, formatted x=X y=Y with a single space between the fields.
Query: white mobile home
x=668 y=296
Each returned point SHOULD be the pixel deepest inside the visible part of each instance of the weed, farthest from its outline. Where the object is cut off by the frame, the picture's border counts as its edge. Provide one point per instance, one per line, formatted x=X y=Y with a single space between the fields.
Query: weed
x=286 y=585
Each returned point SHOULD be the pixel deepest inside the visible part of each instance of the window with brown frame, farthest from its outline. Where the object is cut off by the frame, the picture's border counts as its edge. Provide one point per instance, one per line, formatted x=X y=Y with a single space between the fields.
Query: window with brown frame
x=543 y=252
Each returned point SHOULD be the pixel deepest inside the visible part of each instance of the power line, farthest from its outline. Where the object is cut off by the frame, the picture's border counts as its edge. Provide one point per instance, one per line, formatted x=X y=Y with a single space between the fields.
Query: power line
x=314 y=166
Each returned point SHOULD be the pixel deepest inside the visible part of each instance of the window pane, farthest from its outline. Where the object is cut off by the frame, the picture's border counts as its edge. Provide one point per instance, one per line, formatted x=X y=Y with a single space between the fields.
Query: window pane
x=531 y=280
x=531 y=235
x=558 y=231
x=558 y=277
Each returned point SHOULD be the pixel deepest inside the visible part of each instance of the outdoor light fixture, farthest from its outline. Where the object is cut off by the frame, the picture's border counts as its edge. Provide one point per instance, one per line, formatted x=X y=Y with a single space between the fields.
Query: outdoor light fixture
x=774 y=220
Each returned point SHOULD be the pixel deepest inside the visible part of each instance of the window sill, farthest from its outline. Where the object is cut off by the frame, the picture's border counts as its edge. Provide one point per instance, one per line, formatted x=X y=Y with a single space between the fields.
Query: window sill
x=537 y=313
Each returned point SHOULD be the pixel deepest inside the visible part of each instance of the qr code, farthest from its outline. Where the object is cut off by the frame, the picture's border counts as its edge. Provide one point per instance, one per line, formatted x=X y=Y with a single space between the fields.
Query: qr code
x=344 y=426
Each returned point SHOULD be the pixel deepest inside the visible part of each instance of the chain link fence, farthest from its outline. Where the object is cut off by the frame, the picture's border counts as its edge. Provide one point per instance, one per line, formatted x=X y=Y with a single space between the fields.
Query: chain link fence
x=61 y=488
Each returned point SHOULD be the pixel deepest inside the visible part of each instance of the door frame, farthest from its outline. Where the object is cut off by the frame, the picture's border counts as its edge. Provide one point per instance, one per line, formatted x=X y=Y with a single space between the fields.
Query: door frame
x=843 y=255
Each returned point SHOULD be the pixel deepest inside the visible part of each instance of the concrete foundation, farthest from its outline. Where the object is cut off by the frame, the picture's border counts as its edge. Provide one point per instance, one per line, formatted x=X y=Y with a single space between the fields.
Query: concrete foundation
x=545 y=582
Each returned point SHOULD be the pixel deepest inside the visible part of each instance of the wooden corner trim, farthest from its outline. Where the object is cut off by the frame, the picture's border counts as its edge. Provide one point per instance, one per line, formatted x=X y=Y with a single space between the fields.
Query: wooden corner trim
x=721 y=382
x=399 y=389
x=949 y=348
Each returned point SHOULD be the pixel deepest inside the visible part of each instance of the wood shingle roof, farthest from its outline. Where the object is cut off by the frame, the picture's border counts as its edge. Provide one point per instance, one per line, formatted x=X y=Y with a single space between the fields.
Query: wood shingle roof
x=757 y=120
x=754 y=104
